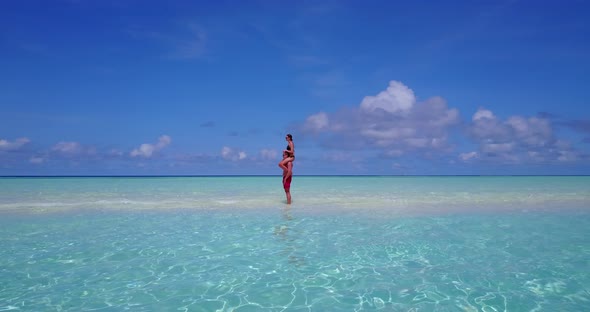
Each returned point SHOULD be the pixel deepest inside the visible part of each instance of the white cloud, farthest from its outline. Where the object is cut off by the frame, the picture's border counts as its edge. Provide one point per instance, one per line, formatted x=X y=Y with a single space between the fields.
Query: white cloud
x=73 y=150
x=397 y=166
x=483 y=114
x=395 y=124
x=533 y=131
x=67 y=148
x=394 y=153
x=567 y=156
x=535 y=156
x=517 y=139
x=565 y=152
x=268 y=154
x=229 y=153
x=396 y=98
x=6 y=145
x=226 y=152
x=468 y=156
x=383 y=135
x=147 y=150
x=115 y=153
x=485 y=126
x=497 y=147
x=316 y=122
x=391 y=121
x=36 y=160
x=340 y=157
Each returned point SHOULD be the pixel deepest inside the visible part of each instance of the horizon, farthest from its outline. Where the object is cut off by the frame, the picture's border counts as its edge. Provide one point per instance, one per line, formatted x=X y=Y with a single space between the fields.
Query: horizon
x=130 y=88
x=279 y=175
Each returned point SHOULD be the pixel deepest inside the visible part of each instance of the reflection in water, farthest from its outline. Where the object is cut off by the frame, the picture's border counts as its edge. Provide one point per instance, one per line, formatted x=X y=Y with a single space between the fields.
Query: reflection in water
x=289 y=237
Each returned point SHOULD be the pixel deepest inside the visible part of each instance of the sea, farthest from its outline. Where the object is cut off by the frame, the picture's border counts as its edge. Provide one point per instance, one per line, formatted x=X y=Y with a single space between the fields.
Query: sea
x=346 y=243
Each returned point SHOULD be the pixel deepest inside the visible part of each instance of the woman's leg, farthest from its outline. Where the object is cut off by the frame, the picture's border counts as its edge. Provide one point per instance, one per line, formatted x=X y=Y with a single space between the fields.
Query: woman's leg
x=283 y=163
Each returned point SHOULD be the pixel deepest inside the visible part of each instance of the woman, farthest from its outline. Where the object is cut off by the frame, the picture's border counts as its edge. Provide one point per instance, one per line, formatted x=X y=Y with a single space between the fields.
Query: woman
x=290 y=150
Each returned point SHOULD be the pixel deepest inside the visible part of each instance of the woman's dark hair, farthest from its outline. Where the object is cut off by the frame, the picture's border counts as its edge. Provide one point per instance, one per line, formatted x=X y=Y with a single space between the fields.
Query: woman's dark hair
x=290 y=137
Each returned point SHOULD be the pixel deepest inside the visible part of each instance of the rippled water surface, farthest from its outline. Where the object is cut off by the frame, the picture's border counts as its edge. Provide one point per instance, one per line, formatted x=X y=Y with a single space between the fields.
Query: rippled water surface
x=346 y=244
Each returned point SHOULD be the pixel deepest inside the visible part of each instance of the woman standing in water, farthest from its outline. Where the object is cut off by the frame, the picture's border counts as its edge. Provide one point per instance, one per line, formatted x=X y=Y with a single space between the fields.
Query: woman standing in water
x=290 y=150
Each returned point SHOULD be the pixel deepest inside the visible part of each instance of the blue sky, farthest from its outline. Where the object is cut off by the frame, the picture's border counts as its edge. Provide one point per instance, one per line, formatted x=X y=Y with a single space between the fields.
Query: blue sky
x=365 y=87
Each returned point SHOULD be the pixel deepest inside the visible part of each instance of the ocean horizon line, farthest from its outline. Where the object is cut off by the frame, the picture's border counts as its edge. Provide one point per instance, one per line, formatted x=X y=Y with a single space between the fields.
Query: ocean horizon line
x=298 y=175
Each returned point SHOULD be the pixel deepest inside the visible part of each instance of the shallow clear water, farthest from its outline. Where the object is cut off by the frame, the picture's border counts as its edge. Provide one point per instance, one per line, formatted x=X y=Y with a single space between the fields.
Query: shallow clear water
x=346 y=244
x=400 y=195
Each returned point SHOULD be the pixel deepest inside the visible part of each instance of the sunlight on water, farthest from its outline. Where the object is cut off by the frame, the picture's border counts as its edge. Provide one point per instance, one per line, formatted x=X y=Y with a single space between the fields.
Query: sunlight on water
x=193 y=244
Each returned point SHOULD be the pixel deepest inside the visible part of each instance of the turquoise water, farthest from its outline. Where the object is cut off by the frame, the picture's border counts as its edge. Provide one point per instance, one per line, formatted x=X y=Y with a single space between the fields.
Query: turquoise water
x=345 y=244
